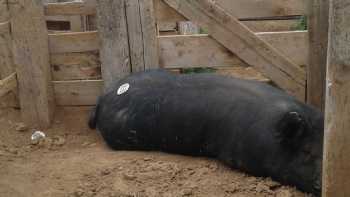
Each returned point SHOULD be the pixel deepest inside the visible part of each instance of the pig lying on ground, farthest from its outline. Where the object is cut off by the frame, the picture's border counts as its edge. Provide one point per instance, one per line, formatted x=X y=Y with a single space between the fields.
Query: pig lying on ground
x=248 y=125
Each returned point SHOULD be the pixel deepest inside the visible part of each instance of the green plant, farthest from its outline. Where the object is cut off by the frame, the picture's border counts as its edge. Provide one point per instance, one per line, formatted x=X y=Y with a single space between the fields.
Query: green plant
x=302 y=24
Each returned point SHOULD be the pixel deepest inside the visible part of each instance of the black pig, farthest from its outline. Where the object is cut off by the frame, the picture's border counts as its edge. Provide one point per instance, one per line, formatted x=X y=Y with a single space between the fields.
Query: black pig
x=248 y=125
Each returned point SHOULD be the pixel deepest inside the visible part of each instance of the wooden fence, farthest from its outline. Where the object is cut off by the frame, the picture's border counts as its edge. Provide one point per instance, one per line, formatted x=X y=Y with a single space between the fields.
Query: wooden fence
x=74 y=53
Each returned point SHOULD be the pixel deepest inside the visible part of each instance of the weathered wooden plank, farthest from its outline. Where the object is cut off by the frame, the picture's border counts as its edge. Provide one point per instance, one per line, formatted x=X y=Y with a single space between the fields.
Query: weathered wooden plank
x=113 y=36
x=336 y=165
x=266 y=8
x=74 y=66
x=6 y=59
x=77 y=93
x=73 y=42
x=135 y=35
x=8 y=84
x=70 y=8
x=240 y=72
x=240 y=40
x=149 y=31
x=316 y=73
x=293 y=44
x=185 y=51
x=31 y=56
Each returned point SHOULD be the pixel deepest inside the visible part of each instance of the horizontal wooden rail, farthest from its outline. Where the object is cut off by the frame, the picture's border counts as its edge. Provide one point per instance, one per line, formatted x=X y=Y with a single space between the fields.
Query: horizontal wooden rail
x=188 y=50
x=8 y=84
x=73 y=42
x=70 y=8
x=240 y=8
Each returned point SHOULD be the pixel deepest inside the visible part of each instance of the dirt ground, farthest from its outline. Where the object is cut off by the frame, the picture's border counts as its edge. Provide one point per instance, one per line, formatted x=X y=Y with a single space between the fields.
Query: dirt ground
x=73 y=161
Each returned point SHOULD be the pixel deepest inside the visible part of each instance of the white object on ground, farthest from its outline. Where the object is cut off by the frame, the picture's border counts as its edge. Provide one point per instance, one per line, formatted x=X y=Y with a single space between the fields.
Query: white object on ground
x=38 y=135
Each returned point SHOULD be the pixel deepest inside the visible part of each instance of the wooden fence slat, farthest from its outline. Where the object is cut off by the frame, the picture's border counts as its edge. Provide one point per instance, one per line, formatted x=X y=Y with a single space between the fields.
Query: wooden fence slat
x=31 y=56
x=266 y=8
x=77 y=93
x=336 y=160
x=70 y=8
x=8 y=84
x=73 y=42
x=113 y=35
x=73 y=66
x=236 y=37
x=185 y=51
x=316 y=73
x=180 y=51
x=6 y=59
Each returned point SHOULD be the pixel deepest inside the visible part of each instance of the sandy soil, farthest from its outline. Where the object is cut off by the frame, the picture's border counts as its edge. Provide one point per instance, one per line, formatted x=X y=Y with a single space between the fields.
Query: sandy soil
x=73 y=161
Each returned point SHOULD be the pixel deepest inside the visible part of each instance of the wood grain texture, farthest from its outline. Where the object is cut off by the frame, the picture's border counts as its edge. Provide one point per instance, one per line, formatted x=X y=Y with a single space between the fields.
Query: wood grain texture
x=336 y=165
x=70 y=8
x=239 y=39
x=186 y=51
x=316 y=73
x=266 y=8
x=75 y=66
x=292 y=44
x=31 y=56
x=149 y=31
x=4 y=13
x=77 y=93
x=73 y=42
x=113 y=34
x=135 y=35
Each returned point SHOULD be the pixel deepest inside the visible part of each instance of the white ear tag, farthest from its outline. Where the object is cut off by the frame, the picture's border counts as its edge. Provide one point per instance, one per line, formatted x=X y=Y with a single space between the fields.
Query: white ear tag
x=123 y=88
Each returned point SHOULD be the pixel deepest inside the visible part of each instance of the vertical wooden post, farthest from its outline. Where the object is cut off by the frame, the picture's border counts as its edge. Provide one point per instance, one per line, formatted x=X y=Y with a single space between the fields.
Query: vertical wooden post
x=135 y=35
x=114 y=51
x=149 y=31
x=316 y=72
x=6 y=63
x=142 y=34
x=336 y=172
x=31 y=56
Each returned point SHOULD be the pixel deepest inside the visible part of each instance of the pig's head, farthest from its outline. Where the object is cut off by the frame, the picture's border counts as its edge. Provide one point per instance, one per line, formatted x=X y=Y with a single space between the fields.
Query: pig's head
x=301 y=137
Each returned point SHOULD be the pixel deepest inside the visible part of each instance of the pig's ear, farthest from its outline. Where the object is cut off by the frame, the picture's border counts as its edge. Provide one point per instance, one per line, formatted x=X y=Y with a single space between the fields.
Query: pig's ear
x=291 y=129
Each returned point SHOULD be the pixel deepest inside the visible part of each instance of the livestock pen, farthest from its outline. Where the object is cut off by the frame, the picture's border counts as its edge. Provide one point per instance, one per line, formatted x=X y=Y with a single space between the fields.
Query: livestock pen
x=65 y=53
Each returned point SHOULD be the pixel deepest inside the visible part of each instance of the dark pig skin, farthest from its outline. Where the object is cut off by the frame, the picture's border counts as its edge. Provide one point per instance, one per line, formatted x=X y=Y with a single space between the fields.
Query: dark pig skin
x=248 y=125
